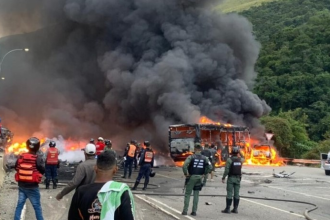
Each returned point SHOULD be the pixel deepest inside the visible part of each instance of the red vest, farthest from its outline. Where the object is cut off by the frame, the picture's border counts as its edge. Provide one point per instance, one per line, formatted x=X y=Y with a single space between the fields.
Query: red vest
x=52 y=156
x=27 y=169
x=148 y=156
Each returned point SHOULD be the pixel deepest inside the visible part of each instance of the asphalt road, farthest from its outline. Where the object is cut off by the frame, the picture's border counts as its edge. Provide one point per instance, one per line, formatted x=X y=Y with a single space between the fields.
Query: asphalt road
x=307 y=184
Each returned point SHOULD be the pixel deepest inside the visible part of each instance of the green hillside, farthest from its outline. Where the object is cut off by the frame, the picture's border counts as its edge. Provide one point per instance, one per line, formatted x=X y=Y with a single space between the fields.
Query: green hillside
x=240 y=5
x=294 y=72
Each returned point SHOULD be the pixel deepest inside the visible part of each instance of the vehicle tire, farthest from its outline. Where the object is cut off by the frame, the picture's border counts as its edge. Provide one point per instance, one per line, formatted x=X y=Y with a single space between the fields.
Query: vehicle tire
x=327 y=172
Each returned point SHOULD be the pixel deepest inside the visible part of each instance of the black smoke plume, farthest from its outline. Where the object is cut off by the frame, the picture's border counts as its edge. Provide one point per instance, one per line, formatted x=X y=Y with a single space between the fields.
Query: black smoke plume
x=126 y=69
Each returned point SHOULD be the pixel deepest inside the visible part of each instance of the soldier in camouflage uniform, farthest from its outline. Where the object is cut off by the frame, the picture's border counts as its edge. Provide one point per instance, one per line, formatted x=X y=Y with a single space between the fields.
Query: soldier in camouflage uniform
x=234 y=172
x=194 y=168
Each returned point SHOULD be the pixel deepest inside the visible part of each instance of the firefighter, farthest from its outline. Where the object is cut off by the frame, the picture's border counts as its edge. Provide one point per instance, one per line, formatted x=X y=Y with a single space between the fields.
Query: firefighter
x=52 y=163
x=30 y=167
x=194 y=168
x=130 y=154
x=99 y=145
x=234 y=172
x=146 y=163
x=207 y=153
x=108 y=147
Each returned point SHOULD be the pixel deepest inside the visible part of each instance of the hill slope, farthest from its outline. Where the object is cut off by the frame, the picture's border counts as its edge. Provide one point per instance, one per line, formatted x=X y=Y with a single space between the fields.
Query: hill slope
x=294 y=63
x=240 y=5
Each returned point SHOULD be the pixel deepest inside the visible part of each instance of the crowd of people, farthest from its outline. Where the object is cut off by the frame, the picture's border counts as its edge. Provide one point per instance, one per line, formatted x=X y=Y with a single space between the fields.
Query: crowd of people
x=97 y=195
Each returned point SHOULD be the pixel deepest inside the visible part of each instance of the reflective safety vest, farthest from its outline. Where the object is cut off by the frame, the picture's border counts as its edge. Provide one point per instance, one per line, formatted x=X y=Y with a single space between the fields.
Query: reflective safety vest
x=52 y=156
x=197 y=165
x=148 y=156
x=236 y=167
x=131 y=150
x=27 y=169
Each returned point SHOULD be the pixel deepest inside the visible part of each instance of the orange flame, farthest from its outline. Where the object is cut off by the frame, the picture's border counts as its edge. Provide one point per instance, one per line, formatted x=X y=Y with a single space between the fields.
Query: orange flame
x=20 y=148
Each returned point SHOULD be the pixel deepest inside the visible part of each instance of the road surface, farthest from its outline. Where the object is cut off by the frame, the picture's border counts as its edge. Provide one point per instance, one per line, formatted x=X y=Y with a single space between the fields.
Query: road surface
x=307 y=184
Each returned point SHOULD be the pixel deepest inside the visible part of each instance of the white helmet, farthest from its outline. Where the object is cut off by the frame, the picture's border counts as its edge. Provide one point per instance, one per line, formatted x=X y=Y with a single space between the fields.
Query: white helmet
x=100 y=139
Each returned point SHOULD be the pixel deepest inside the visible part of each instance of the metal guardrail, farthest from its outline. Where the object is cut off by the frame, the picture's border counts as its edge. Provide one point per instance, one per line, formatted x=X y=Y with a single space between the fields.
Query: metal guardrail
x=304 y=161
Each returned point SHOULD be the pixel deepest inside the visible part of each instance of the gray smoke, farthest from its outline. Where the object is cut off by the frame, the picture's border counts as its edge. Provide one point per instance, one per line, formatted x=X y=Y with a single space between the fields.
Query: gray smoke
x=127 y=69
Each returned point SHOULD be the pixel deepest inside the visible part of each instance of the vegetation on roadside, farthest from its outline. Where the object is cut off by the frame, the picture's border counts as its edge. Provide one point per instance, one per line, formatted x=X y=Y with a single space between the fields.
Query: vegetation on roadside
x=294 y=73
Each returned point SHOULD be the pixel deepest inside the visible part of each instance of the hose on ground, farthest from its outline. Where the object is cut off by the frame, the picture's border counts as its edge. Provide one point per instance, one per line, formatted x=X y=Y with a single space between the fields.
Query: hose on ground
x=244 y=197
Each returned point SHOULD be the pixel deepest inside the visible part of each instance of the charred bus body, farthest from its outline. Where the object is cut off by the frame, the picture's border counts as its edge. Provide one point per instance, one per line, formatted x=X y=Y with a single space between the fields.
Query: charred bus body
x=183 y=136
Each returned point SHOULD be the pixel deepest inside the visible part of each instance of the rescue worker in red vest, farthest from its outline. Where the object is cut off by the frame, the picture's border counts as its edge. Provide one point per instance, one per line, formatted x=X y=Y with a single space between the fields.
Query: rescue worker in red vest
x=30 y=167
x=52 y=163
x=146 y=163
x=234 y=172
x=130 y=154
x=99 y=146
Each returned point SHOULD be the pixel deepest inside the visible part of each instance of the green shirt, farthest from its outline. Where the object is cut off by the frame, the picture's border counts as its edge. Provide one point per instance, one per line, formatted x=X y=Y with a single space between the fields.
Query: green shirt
x=188 y=160
x=228 y=165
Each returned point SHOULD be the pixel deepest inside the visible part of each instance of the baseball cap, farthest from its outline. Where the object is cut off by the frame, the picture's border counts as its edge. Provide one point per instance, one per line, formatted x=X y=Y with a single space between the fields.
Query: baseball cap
x=90 y=149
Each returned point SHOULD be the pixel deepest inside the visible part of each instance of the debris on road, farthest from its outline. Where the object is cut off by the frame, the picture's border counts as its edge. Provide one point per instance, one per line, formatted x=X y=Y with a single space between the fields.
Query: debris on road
x=208 y=203
x=282 y=174
x=251 y=192
x=267 y=181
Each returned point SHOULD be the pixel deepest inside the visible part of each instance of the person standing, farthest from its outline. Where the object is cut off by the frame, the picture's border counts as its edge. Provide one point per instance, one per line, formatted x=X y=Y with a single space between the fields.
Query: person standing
x=194 y=168
x=146 y=162
x=52 y=163
x=130 y=154
x=104 y=197
x=136 y=153
x=207 y=153
x=29 y=170
x=99 y=146
x=85 y=173
x=214 y=155
x=234 y=172
x=108 y=147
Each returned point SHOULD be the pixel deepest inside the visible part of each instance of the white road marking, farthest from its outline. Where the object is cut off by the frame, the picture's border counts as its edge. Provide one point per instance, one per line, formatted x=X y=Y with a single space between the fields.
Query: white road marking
x=23 y=212
x=272 y=207
x=305 y=194
x=177 y=211
x=157 y=207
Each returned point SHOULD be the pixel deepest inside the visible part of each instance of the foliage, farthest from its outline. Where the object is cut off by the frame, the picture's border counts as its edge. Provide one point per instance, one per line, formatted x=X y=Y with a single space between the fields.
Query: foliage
x=294 y=64
x=239 y=5
x=291 y=138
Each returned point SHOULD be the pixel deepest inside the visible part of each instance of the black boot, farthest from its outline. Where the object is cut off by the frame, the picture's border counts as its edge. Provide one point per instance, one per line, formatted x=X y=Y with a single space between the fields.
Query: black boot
x=228 y=204
x=145 y=185
x=236 y=202
x=135 y=185
x=54 y=184
x=47 y=183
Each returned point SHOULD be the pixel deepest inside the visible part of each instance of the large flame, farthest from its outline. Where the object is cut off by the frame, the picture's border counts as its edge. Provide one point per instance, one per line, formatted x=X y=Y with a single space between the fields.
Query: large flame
x=20 y=148
x=255 y=153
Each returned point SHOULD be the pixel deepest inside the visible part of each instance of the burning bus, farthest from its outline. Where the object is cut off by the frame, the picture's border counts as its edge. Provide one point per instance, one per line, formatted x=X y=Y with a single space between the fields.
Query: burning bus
x=182 y=138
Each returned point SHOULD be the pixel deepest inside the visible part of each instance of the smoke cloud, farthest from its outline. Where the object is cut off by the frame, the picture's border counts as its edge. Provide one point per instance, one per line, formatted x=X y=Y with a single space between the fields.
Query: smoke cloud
x=127 y=69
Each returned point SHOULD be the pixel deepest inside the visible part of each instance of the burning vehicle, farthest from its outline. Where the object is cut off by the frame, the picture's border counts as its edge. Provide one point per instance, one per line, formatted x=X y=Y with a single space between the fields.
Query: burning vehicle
x=182 y=138
x=262 y=154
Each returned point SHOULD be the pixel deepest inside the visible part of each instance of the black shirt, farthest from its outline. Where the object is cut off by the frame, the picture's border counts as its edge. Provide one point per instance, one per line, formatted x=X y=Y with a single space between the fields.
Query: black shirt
x=86 y=206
